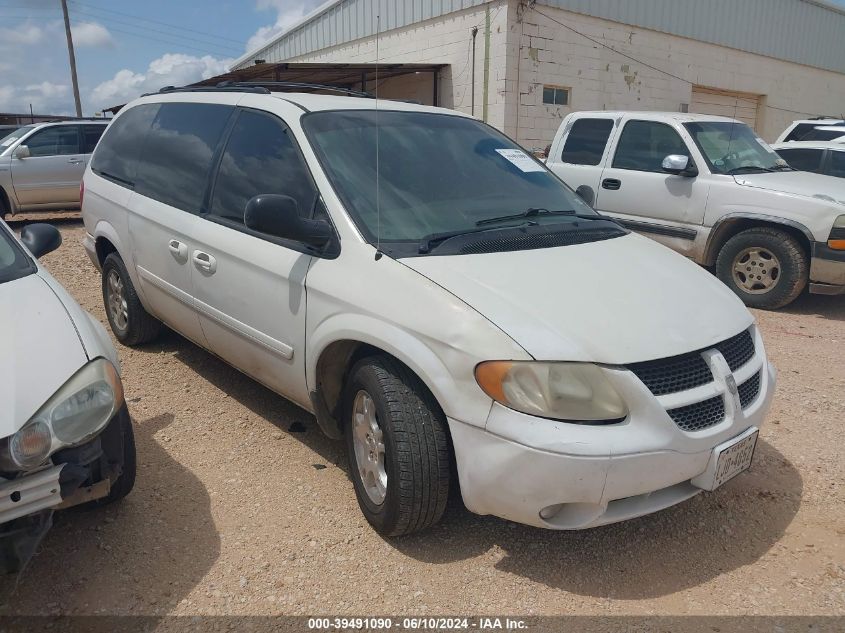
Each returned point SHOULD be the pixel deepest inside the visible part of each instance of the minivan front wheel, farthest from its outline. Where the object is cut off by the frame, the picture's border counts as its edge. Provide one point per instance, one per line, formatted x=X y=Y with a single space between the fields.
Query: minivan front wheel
x=131 y=324
x=766 y=267
x=397 y=445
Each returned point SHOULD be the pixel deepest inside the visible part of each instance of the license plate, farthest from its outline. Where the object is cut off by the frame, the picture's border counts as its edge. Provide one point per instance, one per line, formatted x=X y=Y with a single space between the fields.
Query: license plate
x=730 y=459
x=734 y=459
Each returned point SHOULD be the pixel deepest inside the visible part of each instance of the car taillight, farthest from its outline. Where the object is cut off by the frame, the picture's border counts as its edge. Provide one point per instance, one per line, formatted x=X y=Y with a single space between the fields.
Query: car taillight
x=81 y=191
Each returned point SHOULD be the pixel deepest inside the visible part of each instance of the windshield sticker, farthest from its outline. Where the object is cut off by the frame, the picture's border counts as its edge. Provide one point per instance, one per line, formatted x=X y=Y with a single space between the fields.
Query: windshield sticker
x=522 y=160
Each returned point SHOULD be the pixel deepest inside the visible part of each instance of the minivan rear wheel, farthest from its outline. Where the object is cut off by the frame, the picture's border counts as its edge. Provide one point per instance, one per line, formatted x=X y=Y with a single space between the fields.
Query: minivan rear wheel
x=766 y=267
x=397 y=445
x=131 y=324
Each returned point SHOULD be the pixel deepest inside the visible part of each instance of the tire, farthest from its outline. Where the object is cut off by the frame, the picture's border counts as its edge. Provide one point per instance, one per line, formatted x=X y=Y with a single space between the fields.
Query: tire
x=414 y=441
x=776 y=254
x=135 y=326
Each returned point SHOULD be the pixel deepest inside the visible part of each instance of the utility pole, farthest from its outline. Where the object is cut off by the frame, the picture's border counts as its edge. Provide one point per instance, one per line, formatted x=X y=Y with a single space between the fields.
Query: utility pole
x=72 y=60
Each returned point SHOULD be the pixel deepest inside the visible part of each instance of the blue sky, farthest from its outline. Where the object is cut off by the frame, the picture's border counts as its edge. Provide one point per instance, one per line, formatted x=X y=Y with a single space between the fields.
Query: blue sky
x=127 y=47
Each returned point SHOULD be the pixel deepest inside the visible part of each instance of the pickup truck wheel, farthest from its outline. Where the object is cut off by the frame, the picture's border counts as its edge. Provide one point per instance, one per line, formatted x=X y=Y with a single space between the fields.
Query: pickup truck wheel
x=767 y=268
x=398 y=447
x=131 y=324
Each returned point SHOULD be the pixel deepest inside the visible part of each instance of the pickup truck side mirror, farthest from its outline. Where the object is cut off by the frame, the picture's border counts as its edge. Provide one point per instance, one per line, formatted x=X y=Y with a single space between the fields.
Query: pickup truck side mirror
x=679 y=165
x=41 y=239
x=22 y=151
x=278 y=216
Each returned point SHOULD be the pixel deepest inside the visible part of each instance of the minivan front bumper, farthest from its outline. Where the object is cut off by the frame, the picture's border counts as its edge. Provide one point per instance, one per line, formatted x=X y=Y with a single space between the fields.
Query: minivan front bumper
x=567 y=477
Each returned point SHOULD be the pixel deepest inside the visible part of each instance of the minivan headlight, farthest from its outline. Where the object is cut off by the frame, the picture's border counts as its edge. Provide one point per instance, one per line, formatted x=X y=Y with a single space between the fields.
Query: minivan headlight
x=74 y=414
x=573 y=392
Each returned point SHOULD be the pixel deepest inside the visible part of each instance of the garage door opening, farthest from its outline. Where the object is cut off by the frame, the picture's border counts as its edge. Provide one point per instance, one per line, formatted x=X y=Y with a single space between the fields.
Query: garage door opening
x=736 y=105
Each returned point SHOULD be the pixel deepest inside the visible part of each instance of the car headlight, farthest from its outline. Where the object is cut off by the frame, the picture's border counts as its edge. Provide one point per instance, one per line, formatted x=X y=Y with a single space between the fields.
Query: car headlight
x=574 y=392
x=74 y=414
x=836 y=240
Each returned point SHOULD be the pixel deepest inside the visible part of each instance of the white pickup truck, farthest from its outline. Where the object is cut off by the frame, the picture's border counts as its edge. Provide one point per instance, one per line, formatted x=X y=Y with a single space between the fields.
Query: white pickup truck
x=710 y=189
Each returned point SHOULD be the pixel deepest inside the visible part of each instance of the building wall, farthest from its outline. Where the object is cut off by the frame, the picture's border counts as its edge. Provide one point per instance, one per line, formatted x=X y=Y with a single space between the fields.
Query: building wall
x=445 y=39
x=543 y=52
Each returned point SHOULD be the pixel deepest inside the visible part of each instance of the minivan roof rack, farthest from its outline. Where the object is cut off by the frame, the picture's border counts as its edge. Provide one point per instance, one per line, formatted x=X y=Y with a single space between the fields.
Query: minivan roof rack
x=263 y=87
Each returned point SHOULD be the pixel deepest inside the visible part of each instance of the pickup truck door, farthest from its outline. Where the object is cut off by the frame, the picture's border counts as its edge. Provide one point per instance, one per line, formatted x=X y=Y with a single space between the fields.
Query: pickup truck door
x=52 y=172
x=580 y=150
x=635 y=189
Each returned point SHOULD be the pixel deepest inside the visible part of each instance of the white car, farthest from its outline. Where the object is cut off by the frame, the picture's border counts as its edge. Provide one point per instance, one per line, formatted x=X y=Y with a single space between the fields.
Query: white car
x=710 y=189
x=798 y=129
x=820 y=157
x=65 y=429
x=453 y=311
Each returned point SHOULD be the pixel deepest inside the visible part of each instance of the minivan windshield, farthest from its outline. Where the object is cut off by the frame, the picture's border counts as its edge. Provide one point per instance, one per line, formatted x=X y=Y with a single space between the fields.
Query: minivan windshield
x=13 y=261
x=12 y=136
x=733 y=148
x=438 y=174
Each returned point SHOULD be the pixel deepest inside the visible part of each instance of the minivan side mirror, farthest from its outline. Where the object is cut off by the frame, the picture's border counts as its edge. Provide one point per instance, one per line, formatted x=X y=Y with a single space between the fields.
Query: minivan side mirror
x=22 y=151
x=679 y=165
x=278 y=216
x=41 y=239
x=585 y=192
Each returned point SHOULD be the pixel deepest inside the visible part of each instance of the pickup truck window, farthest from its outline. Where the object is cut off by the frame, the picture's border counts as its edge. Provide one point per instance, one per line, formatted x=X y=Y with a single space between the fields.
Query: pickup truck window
x=733 y=148
x=644 y=144
x=803 y=159
x=586 y=141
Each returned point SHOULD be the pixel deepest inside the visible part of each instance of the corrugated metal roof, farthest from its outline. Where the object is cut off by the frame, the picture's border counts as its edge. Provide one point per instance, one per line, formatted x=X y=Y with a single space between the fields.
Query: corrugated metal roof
x=810 y=32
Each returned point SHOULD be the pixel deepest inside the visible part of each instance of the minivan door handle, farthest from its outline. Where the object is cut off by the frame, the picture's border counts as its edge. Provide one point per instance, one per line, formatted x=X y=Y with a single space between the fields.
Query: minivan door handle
x=205 y=262
x=178 y=250
x=75 y=161
x=611 y=183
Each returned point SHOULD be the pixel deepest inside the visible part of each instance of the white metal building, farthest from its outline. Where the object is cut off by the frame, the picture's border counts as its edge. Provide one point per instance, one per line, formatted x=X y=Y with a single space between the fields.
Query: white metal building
x=766 y=62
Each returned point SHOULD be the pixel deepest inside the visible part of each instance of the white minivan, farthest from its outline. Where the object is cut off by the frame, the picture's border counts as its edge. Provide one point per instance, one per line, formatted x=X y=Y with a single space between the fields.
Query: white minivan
x=433 y=295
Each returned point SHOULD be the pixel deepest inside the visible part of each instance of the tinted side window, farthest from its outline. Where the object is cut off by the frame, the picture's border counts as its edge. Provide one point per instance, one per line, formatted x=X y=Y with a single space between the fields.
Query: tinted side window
x=260 y=157
x=59 y=140
x=837 y=164
x=586 y=141
x=90 y=135
x=799 y=131
x=117 y=154
x=823 y=135
x=803 y=159
x=177 y=156
x=644 y=144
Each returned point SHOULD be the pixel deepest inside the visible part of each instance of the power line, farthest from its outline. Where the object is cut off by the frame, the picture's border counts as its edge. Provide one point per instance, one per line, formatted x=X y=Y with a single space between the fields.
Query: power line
x=138 y=17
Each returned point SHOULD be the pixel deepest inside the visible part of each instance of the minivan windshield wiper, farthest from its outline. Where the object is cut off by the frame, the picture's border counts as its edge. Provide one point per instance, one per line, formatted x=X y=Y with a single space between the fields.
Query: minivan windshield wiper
x=534 y=212
x=749 y=169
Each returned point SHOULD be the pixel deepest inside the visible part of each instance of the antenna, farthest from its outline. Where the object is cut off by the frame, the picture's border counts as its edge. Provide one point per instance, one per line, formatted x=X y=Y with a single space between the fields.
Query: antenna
x=378 y=167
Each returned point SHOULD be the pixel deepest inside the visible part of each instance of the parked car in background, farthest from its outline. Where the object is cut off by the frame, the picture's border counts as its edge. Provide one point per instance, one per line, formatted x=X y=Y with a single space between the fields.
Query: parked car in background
x=41 y=165
x=65 y=434
x=463 y=305
x=819 y=157
x=798 y=129
x=710 y=189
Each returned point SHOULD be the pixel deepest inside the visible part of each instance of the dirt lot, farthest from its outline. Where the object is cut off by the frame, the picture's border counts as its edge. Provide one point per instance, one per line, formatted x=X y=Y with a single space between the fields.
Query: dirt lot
x=243 y=507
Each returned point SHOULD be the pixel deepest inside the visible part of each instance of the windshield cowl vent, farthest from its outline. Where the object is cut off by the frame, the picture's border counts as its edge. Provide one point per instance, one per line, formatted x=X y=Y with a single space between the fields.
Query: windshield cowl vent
x=487 y=244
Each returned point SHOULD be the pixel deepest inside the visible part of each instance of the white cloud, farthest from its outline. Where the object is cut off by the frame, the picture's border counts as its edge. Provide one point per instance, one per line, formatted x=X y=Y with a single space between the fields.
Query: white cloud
x=25 y=35
x=172 y=69
x=287 y=14
x=91 y=34
x=42 y=97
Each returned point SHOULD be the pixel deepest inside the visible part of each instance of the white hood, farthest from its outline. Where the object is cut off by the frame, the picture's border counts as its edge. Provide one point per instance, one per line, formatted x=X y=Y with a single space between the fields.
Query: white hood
x=801 y=183
x=616 y=301
x=39 y=349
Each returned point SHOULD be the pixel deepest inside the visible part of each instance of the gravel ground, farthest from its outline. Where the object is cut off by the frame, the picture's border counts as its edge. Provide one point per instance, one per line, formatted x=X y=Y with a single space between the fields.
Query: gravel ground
x=243 y=507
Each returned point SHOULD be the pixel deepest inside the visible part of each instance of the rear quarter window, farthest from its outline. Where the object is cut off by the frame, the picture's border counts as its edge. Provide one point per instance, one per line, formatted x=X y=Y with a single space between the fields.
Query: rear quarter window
x=586 y=141
x=117 y=154
x=803 y=159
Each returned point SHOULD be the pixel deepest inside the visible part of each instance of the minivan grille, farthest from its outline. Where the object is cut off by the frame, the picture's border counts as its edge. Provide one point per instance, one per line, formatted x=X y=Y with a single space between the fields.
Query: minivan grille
x=749 y=390
x=542 y=240
x=699 y=416
x=686 y=371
